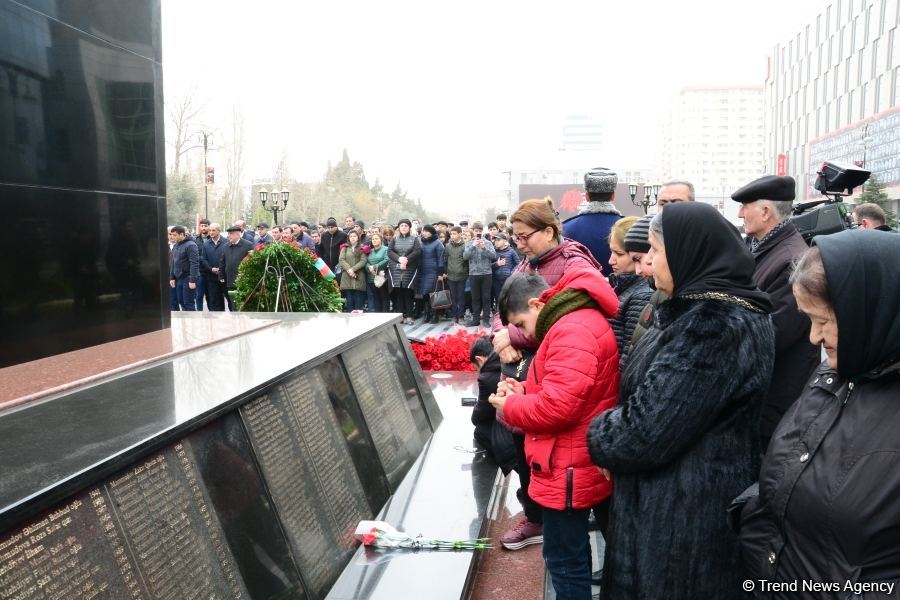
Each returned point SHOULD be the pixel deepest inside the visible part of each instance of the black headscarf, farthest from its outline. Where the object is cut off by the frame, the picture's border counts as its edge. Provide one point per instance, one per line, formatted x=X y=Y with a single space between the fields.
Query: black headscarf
x=706 y=254
x=862 y=268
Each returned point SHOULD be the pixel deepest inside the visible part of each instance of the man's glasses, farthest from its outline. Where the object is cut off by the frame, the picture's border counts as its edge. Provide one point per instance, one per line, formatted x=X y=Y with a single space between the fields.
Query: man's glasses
x=523 y=238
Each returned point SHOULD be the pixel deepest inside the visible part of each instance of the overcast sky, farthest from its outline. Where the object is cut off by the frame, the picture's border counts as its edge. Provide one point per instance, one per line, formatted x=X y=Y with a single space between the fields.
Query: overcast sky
x=445 y=97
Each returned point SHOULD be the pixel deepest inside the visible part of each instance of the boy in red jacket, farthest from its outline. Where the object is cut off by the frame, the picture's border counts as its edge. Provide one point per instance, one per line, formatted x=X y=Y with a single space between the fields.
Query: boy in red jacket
x=574 y=377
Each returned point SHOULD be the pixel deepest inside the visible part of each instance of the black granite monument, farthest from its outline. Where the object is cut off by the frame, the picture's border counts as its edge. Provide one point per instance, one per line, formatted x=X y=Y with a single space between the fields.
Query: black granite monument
x=82 y=175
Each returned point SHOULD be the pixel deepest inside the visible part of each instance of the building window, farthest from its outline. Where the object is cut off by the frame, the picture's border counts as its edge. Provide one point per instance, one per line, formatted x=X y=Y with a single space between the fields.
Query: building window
x=874 y=70
x=859 y=68
x=868 y=24
x=837 y=16
x=862 y=101
x=846 y=67
x=828 y=21
x=819 y=31
x=882 y=17
x=877 y=100
x=895 y=80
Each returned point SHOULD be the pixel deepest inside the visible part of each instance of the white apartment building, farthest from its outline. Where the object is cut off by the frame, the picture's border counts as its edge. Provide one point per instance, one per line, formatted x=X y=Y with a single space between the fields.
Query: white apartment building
x=833 y=93
x=713 y=137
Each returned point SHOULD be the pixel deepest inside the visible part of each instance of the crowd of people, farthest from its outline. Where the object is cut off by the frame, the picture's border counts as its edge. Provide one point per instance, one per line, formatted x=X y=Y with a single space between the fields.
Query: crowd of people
x=680 y=406
x=658 y=378
x=380 y=268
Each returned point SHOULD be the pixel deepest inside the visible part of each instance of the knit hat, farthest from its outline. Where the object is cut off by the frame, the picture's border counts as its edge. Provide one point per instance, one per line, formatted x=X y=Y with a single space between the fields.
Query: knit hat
x=402 y=221
x=331 y=222
x=430 y=229
x=638 y=237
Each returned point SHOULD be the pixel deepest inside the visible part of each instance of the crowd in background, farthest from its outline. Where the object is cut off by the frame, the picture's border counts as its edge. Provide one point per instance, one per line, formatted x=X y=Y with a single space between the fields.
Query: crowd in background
x=379 y=268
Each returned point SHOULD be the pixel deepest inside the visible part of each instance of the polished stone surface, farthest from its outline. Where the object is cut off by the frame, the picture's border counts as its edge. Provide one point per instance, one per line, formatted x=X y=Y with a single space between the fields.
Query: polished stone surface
x=82 y=177
x=97 y=430
x=446 y=495
x=87 y=111
x=53 y=375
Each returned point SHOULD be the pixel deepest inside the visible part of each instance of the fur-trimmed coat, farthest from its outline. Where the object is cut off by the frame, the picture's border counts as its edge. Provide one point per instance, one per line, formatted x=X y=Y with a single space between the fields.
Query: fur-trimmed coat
x=681 y=444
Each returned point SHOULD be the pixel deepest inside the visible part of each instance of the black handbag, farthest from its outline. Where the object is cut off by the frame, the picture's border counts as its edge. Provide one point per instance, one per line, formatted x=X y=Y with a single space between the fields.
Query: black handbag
x=440 y=298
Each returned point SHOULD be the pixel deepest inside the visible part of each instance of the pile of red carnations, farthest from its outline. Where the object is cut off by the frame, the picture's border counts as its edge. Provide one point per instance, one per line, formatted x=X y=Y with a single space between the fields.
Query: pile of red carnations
x=447 y=352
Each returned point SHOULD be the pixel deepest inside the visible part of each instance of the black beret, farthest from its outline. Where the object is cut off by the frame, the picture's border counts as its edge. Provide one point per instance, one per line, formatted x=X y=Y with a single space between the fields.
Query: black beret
x=233 y=228
x=777 y=188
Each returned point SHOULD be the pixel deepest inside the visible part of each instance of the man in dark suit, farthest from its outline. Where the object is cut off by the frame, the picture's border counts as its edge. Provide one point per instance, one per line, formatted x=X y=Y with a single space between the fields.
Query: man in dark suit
x=232 y=255
x=210 y=258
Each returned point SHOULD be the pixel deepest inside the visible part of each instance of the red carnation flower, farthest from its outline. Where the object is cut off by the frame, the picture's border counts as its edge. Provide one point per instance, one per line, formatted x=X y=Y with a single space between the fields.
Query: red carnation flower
x=260 y=246
x=295 y=244
x=366 y=249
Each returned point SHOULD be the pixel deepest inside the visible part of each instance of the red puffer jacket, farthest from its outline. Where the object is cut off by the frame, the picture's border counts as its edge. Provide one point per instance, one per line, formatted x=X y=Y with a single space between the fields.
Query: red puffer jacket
x=573 y=378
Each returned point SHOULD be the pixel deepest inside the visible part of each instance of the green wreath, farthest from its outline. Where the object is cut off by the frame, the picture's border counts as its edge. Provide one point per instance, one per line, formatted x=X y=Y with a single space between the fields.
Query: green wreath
x=282 y=277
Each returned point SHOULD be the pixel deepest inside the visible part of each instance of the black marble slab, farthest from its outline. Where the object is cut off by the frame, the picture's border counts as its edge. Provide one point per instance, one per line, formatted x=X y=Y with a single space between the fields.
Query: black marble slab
x=90 y=272
x=310 y=474
x=98 y=429
x=86 y=112
x=388 y=396
x=447 y=494
x=148 y=531
x=82 y=175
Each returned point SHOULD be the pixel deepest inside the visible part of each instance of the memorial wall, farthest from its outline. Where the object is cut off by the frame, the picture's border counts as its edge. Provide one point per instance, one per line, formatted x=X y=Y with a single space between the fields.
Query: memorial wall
x=259 y=502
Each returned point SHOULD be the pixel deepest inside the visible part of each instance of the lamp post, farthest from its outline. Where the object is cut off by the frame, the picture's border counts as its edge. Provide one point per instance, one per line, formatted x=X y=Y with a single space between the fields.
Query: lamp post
x=651 y=193
x=277 y=201
x=205 y=135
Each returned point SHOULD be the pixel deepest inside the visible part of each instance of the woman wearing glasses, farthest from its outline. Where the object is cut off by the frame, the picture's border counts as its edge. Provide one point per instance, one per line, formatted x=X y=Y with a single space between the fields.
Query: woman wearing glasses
x=537 y=233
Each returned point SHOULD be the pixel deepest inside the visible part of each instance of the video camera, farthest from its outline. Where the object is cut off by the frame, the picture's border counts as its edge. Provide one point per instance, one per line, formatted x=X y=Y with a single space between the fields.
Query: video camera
x=836 y=181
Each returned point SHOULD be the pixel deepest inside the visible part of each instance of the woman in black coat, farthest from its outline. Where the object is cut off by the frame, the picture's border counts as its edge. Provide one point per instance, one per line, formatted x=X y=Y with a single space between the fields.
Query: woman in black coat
x=827 y=507
x=683 y=437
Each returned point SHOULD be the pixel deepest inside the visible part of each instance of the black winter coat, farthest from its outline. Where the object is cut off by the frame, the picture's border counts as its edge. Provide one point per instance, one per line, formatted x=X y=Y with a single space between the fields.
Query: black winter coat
x=492 y=435
x=828 y=508
x=410 y=247
x=795 y=357
x=679 y=444
x=330 y=247
x=232 y=256
x=634 y=293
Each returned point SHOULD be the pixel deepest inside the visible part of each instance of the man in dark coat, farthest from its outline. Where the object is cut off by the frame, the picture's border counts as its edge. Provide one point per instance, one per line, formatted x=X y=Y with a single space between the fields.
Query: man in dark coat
x=232 y=255
x=330 y=245
x=185 y=270
x=775 y=243
x=870 y=216
x=592 y=223
x=213 y=247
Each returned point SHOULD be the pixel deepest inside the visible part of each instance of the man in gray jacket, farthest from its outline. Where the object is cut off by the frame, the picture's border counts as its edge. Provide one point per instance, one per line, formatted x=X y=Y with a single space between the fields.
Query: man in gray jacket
x=481 y=254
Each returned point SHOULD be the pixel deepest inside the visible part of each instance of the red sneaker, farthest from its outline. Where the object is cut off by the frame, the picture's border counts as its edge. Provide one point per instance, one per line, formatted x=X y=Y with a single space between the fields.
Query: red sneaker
x=523 y=534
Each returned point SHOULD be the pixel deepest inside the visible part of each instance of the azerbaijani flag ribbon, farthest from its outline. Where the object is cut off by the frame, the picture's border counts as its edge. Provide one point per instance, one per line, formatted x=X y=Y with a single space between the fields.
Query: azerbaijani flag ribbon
x=323 y=269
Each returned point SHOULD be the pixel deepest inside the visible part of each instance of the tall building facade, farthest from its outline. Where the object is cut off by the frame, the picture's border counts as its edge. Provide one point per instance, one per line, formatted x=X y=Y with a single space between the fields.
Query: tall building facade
x=833 y=93
x=714 y=138
x=582 y=133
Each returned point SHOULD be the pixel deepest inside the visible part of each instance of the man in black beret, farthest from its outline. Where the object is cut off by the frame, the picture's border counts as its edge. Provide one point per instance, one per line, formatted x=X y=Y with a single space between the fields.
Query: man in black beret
x=775 y=243
x=232 y=255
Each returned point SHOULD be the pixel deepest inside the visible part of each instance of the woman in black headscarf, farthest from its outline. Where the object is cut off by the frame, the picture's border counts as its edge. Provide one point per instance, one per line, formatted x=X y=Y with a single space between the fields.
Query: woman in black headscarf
x=827 y=507
x=683 y=440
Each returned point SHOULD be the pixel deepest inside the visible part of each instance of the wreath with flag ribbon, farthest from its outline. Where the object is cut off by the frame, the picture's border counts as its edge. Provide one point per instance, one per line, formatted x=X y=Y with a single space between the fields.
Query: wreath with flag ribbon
x=282 y=277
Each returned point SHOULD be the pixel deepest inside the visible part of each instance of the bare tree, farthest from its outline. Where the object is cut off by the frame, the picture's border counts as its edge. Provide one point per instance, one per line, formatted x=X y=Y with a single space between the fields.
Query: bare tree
x=234 y=164
x=183 y=112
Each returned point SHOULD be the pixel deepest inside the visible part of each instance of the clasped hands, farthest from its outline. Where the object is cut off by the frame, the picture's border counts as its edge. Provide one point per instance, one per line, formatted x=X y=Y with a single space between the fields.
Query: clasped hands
x=506 y=388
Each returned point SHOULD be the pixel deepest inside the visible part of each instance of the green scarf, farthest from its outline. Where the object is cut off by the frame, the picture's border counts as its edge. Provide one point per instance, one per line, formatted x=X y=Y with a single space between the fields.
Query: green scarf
x=562 y=303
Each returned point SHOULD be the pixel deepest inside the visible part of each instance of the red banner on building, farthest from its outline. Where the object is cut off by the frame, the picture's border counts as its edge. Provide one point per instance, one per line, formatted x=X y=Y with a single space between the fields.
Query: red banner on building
x=782 y=166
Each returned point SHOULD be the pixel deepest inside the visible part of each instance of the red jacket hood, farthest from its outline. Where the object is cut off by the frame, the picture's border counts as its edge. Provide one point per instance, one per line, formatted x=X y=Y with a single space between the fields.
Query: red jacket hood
x=591 y=281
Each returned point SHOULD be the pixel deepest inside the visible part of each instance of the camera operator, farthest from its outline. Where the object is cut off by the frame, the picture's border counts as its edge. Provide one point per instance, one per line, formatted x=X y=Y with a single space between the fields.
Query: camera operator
x=775 y=243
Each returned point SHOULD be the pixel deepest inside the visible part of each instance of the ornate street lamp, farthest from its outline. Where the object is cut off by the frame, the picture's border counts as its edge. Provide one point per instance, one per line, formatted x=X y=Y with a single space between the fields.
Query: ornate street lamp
x=277 y=201
x=651 y=193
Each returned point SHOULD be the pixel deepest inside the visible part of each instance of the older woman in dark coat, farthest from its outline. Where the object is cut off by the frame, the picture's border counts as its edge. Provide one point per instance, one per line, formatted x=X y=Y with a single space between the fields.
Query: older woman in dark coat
x=432 y=268
x=405 y=252
x=827 y=507
x=683 y=438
